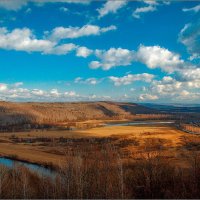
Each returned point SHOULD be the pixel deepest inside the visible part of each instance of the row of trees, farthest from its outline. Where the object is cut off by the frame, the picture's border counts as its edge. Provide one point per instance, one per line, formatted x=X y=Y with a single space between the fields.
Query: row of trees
x=106 y=176
x=192 y=128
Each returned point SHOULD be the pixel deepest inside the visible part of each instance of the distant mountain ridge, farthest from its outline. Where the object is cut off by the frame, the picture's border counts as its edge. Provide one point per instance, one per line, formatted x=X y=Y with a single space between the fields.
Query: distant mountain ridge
x=176 y=108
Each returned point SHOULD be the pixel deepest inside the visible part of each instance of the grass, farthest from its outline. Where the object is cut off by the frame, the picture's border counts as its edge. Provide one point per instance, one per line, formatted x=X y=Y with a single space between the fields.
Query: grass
x=50 y=147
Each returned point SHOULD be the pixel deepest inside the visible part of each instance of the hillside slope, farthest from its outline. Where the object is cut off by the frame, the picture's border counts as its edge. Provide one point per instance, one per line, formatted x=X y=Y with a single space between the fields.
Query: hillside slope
x=44 y=113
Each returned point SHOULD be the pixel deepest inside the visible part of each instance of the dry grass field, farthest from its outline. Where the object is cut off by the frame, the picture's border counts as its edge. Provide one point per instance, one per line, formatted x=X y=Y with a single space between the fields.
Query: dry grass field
x=50 y=147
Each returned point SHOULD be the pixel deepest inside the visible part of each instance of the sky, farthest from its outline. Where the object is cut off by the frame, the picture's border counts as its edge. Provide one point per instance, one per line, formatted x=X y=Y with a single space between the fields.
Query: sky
x=114 y=50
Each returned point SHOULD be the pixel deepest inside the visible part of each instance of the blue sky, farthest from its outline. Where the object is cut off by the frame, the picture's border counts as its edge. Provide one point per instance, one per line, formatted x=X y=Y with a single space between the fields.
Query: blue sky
x=65 y=50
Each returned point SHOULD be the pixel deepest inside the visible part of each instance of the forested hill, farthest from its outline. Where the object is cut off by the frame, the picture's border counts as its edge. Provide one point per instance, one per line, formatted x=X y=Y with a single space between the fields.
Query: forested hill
x=21 y=113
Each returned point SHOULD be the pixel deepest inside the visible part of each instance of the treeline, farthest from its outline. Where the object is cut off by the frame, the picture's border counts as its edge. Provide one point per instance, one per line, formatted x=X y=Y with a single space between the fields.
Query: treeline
x=191 y=128
x=106 y=176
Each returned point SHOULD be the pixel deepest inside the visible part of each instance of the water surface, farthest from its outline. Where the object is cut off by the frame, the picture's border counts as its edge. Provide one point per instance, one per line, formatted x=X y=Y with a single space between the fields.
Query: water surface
x=33 y=167
x=135 y=123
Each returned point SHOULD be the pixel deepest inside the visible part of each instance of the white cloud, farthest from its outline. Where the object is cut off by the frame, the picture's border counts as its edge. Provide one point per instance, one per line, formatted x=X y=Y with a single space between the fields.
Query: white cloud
x=152 y=56
x=109 y=28
x=193 y=9
x=188 y=96
x=147 y=97
x=55 y=93
x=61 y=49
x=18 y=4
x=18 y=84
x=183 y=86
x=189 y=75
x=8 y=93
x=25 y=40
x=130 y=78
x=22 y=40
x=111 y=7
x=38 y=92
x=83 y=52
x=3 y=87
x=95 y=65
x=158 y=57
x=12 y=4
x=64 y=9
x=60 y=33
x=151 y=2
x=166 y=87
x=145 y=9
x=151 y=6
x=111 y=58
x=89 y=81
x=71 y=94
x=18 y=93
x=190 y=37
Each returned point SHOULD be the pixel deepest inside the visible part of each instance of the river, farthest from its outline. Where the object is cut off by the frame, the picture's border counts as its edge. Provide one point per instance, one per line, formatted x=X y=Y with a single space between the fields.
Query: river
x=33 y=167
x=135 y=123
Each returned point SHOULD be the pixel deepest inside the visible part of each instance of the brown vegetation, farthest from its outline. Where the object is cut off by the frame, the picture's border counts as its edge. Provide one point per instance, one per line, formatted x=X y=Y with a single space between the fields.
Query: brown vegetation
x=24 y=116
x=49 y=147
x=104 y=174
x=191 y=128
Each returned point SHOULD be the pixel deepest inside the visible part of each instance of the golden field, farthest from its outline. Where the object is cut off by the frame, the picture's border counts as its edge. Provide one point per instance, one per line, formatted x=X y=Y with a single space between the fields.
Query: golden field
x=50 y=147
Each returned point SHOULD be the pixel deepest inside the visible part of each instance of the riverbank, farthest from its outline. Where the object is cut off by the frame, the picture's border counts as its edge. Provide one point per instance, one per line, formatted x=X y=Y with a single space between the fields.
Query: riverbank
x=35 y=167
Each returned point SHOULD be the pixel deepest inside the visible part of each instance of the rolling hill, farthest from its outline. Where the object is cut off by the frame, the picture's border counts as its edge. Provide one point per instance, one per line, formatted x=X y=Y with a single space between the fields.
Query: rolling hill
x=46 y=113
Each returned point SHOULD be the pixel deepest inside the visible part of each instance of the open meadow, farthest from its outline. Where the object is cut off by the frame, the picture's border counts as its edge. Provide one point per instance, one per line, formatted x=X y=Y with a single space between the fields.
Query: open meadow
x=49 y=148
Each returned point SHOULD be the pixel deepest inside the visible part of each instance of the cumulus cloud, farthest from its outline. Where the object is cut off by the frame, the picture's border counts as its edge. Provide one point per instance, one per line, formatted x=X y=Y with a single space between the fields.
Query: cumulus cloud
x=188 y=96
x=16 y=92
x=22 y=40
x=190 y=37
x=10 y=93
x=158 y=57
x=61 y=49
x=147 y=97
x=89 y=81
x=183 y=86
x=193 y=9
x=130 y=78
x=18 y=84
x=166 y=86
x=151 y=6
x=111 y=7
x=3 y=87
x=25 y=40
x=60 y=33
x=111 y=58
x=138 y=11
x=18 y=4
x=152 y=56
x=38 y=92
x=189 y=75
x=83 y=52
